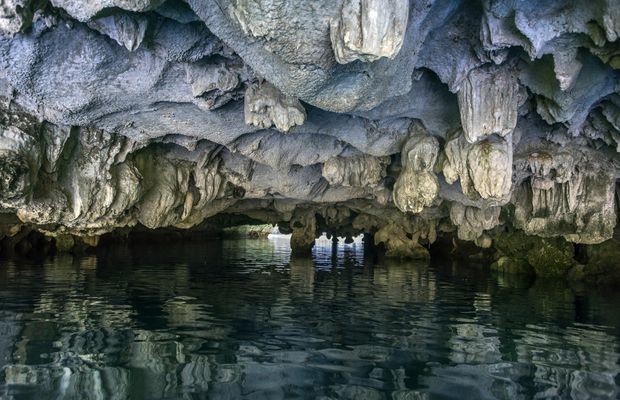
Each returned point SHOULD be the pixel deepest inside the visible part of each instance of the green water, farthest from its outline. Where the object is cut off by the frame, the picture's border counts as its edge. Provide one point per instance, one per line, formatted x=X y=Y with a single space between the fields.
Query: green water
x=241 y=319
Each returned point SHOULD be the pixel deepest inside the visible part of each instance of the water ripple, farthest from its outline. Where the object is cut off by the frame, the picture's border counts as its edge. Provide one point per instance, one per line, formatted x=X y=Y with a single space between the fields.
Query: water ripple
x=242 y=319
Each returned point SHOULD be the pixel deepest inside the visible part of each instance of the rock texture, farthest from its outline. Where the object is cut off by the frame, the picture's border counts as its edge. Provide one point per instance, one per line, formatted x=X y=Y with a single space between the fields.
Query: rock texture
x=571 y=192
x=404 y=120
x=367 y=30
x=266 y=106
x=362 y=171
x=417 y=185
x=483 y=169
x=488 y=101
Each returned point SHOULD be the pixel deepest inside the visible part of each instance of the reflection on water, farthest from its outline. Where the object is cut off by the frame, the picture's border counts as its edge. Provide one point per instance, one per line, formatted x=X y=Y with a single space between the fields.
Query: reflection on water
x=240 y=319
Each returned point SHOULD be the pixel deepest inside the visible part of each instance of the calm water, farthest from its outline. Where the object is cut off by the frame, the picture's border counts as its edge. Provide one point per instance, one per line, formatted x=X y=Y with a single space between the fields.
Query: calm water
x=240 y=319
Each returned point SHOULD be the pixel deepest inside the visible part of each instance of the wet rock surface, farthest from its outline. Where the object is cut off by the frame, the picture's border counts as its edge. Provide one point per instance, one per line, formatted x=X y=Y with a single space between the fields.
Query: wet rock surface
x=403 y=120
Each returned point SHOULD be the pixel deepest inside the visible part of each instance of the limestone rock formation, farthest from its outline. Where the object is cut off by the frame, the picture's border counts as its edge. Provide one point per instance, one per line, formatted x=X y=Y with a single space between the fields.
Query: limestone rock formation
x=472 y=222
x=175 y=189
x=406 y=120
x=266 y=106
x=16 y=15
x=398 y=245
x=355 y=171
x=87 y=182
x=367 y=30
x=127 y=30
x=547 y=257
x=509 y=265
x=488 y=102
x=417 y=185
x=85 y=10
x=303 y=232
x=484 y=169
x=570 y=192
x=216 y=83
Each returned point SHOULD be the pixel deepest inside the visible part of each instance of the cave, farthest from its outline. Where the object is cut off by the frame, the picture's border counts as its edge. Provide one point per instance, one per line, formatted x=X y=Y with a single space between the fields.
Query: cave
x=418 y=142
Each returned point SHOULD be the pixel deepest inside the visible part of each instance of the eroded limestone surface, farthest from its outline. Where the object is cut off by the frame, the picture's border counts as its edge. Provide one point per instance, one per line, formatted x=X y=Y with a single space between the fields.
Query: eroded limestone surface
x=488 y=102
x=472 y=222
x=483 y=169
x=417 y=185
x=126 y=29
x=570 y=192
x=355 y=171
x=367 y=30
x=404 y=120
x=266 y=106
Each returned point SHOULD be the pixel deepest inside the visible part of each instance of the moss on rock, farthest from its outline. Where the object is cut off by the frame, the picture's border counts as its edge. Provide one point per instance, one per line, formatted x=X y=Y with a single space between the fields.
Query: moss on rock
x=410 y=251
x=551 y=258
x=512 y=265
x=604 y=262
x=64 y=243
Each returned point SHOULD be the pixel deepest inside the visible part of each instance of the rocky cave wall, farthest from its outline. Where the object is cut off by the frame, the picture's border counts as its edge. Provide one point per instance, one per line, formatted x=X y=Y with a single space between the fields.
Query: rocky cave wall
x=404 y=119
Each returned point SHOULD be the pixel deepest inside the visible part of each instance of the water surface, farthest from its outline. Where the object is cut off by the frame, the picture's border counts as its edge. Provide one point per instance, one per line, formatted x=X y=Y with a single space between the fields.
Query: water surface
x=241 y=319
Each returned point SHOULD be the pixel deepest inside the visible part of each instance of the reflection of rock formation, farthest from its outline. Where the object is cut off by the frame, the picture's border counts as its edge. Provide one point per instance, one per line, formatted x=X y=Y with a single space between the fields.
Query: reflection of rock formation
x=96 y=328
x=10 y=327
x=73 y=383
x=302 y=274
x=408 y=281
x=577 y=346
x=473 y=341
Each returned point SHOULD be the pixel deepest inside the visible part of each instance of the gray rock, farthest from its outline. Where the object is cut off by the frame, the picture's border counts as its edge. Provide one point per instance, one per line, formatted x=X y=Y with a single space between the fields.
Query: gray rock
x=570 y=192
x=512 y=265
x=280 y=151
x=288 y=44
x=398 y=245
x=571 y=106
x=127 y=30
x=85 y=10
x=405 y=119
x=20 y=160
